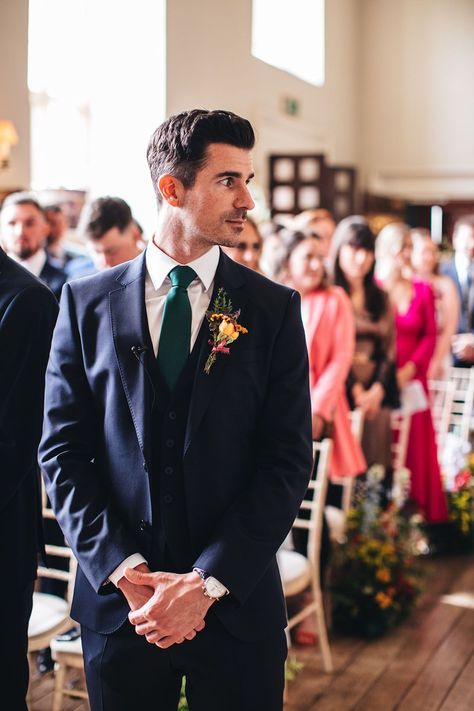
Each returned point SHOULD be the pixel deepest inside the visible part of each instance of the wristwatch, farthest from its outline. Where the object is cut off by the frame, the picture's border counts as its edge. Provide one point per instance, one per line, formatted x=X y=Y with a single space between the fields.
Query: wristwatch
x=211 y=587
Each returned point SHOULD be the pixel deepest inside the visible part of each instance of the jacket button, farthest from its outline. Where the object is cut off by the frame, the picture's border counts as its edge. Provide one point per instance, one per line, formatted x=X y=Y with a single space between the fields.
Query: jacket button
x=145 y=466
x=144 y=525
x=168 y=470
x=168 y=499
x=170 y=443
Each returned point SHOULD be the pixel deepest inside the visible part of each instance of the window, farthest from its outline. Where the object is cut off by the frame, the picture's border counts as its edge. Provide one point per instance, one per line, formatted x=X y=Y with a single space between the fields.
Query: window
x=96 y=74
x=290 y=36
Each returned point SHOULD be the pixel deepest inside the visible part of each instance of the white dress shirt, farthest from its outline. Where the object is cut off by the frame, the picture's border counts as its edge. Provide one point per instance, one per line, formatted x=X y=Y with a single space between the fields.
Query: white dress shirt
x=463 y=267
x=157 y=285
x=34 y=264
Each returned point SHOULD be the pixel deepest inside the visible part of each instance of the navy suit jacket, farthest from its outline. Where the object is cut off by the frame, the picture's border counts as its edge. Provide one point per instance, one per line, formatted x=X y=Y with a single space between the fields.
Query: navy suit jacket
x=53 y=275
x=28 y=312
x=466 y=313
x=247 y=454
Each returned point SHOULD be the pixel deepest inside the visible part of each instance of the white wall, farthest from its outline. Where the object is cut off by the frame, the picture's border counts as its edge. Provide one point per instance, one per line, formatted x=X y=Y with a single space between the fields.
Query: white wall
x=210 y=65
x=417 y=108
x=14 y=101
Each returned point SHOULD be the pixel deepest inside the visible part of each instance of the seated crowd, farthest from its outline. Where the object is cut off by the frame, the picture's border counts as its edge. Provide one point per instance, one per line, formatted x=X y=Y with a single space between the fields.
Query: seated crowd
x=380 y=314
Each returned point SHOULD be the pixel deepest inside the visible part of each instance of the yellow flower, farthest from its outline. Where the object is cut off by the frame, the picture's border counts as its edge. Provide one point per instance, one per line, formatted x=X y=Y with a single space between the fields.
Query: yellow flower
x=383 y=575
x=234 y=335
x=226 y=328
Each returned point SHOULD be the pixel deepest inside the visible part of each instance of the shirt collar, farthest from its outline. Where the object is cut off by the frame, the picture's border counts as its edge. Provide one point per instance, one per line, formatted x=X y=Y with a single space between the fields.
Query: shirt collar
x=462 y=263
x=159 y=265
x=34 y=264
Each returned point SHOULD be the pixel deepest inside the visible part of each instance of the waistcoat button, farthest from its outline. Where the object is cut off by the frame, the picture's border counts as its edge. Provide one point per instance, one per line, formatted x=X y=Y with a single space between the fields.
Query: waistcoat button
x=172 y=415
x=170 y=443
x=168 y=470
x=168 y=499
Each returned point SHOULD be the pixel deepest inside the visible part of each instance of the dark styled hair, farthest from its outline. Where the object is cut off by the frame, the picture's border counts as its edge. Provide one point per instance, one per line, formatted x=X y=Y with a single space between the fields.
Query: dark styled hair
x=22 y=198
x=102 y=215
x=361 y=236
x=54 y=207
x=179 y=145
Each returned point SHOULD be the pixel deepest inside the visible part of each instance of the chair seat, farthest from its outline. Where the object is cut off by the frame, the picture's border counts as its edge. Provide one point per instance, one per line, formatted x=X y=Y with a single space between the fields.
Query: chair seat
x=294 y=571
x=48 y=612
x=72 y=647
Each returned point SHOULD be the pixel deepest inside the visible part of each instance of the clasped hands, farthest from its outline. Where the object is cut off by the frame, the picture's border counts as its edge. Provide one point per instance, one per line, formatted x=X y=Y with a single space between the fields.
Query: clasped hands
x=166 y=608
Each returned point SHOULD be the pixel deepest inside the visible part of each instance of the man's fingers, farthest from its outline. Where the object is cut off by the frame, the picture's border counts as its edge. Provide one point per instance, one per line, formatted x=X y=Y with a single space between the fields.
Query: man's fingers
x=137 y=577
x=190 y=635
x=200 y=626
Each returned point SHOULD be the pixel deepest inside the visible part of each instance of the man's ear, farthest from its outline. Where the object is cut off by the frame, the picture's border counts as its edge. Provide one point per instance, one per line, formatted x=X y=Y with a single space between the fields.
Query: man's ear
x=171 y=189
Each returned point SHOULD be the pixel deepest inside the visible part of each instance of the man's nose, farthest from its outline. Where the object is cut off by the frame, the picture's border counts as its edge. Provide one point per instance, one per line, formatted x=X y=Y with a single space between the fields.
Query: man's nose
x=244 y=199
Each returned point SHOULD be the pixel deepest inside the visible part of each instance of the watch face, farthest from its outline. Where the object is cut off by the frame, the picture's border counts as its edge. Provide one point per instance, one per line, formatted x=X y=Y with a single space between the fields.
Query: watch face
x=214 y=588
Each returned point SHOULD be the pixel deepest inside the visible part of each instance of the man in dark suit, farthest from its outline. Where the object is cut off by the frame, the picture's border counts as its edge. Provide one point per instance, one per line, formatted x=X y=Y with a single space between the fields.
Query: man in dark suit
x=24 y=232
x=28 y=311
x=461 y=271
x=177 y=445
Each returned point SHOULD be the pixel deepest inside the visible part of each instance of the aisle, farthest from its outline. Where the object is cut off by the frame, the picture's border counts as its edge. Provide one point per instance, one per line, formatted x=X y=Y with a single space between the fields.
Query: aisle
x=427 y=664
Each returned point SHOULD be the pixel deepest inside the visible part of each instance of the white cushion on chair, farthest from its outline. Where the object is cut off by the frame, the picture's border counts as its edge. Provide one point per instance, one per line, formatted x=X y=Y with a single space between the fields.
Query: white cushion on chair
x=48 y=611
x=72 y=647
x=336 y=520
x=294 y=571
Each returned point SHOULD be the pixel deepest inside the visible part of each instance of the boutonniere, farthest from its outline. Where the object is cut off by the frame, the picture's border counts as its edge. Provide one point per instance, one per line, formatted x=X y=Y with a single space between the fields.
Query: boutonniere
x=223 y=327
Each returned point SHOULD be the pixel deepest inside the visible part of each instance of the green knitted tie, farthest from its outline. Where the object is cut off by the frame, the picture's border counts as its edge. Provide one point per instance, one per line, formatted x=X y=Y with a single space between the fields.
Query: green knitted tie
x=175 y=334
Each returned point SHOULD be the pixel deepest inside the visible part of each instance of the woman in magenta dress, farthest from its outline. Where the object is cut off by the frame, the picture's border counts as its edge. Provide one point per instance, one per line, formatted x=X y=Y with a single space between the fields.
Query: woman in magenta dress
x=415 y=327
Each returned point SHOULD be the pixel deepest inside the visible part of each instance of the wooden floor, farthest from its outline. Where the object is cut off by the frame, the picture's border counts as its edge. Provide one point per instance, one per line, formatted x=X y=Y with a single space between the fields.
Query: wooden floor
x=426 y=664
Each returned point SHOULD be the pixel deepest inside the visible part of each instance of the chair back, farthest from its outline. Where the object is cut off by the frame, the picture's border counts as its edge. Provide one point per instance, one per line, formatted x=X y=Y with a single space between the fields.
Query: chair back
x=311 y=512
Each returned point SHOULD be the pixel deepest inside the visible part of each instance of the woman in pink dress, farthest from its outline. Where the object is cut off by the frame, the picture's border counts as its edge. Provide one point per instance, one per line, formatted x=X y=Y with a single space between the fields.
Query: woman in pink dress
x=415 y=327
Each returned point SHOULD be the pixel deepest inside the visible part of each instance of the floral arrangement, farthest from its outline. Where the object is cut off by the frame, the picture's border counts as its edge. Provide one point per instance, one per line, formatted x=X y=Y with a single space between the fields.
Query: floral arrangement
x=457 y=465
x=223 y=326
x=376 y=578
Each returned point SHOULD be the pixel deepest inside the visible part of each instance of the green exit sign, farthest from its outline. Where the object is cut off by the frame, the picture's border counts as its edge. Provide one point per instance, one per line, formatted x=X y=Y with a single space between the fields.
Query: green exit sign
x=291 y=106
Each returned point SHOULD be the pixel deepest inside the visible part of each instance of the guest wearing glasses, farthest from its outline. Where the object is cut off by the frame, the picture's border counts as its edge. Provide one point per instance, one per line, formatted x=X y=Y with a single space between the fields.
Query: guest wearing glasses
x=249 y=249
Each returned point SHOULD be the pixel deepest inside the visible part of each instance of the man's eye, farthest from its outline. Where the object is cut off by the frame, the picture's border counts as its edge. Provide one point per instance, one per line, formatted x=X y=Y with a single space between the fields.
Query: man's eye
x=228 y=182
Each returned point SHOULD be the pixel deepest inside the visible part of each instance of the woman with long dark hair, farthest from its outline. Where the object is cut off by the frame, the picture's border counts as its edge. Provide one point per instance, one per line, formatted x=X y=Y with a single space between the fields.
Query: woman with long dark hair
x=371 y=384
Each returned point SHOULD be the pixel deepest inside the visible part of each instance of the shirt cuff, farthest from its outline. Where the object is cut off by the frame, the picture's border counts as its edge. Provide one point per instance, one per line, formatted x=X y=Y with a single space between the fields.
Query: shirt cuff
x=131 y=562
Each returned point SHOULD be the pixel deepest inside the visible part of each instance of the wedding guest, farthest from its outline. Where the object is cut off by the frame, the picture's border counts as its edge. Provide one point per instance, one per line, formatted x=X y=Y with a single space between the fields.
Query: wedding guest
x=371 y=384
x=319 y=221
x=110 y=231
x=393 y=235
x=415 y=328
x=249 y=249
x=461 y=271
x=425 y=261
x=330 y=335
x=28 y=312
x=24 y=232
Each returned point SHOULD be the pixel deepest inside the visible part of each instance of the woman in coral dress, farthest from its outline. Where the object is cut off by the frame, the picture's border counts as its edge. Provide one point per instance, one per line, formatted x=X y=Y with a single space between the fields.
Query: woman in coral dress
x=330 y=335
x=415 y=328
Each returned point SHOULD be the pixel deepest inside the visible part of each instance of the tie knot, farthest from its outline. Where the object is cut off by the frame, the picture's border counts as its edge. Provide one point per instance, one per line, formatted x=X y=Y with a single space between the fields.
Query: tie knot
x=182 y=276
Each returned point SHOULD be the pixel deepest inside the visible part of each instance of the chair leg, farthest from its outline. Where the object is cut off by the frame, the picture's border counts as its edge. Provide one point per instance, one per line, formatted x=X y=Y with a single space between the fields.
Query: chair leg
x=322 y=632
x=59 y=682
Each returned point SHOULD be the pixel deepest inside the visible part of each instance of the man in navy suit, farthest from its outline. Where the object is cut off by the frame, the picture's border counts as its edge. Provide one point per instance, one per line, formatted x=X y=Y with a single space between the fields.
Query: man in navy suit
x=461 y=271
x=28 y=311
x=24 y=233
x=177 y=445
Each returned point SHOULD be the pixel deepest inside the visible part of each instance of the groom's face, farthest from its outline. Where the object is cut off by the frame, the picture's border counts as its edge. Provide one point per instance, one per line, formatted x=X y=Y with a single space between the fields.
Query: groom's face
x=215 y=207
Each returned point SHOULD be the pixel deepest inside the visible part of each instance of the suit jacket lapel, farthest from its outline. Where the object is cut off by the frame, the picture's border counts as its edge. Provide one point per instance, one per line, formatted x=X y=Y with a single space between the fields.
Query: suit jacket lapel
x=132 y=342
x=230 y=277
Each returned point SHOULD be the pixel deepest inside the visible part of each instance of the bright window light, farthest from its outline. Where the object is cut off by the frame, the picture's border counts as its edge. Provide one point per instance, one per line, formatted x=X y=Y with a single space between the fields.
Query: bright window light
x=96 y=75
x=290 y=36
